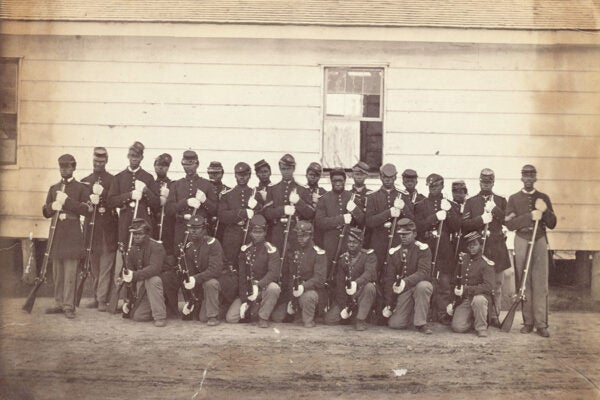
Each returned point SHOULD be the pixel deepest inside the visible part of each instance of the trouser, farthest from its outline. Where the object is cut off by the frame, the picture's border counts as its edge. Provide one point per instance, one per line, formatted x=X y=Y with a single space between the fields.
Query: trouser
x=308 y=303
x=497 y=293
x=171 y=287
x=103 y=262
x=471 y=312
x=535 y=306
x=64 y=274
x=441 y=296
x=365 y=300
x=152 y=304
x=412 y=304
x=266 y=301
x=210 y=303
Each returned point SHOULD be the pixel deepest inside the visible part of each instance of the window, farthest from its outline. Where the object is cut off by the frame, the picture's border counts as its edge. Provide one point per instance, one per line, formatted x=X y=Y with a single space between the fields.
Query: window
x=9 y=71
x=353 y=117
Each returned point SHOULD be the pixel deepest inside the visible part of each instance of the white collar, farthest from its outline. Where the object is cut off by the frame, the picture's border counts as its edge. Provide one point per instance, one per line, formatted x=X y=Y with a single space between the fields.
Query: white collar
x=526 y=192
x=133 y=170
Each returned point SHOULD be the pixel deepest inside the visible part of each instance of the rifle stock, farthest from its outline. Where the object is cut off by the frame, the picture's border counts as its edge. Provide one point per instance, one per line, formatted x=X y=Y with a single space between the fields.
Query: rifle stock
x=86 y=265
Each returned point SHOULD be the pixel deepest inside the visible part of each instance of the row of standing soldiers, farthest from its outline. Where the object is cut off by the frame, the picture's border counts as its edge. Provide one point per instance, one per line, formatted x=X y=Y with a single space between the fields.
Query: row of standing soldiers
x=286 y=250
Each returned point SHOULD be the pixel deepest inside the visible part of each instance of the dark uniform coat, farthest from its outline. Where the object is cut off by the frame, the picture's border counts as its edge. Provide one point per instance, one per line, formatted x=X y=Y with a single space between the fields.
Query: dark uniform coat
x=477 y=276
x=417 y=268
x=362 y=270
x=310 y=265
x=520 y=205
x=168 y=228
x=412 y=198
x=261 y=263
x=213 y=229
x=119 y=196
x=360 y=198
x=146 y=260
x=68 y=235
x=318 y=235
x=107 y=220
x=204 y=259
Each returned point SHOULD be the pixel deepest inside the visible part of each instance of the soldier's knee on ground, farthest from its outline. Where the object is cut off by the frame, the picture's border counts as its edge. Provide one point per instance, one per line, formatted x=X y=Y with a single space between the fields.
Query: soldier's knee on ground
x=233 y=313
x=397 y=323
x=479 y=301
x=424 y=287
x=370 y=291
x=309 y=298
x=273 y=288
x=332 y=317
x=211 y=285
x=279 y=313
x=459 y=325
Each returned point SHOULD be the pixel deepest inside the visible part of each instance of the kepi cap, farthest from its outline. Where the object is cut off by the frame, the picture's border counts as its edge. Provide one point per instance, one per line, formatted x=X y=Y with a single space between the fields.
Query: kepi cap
x=100 y=154
x=139 y=225
x=388 y=169
x=258 y=220
x=337 y=172
x=361 y=166
x=355 y=233
x=433 y=179
x=67 y=160
x=303 y=226
x=164 y=159
x=259 y=164
x=241 y=168
x=196 y=221
x=287 y=160
x=487 y=175
x=137 y=148
x=315 y=167
x=409 y=173
x=472 y=236
x=405 y=225
x=459 y=185
x=189 y=157
x=215 y=166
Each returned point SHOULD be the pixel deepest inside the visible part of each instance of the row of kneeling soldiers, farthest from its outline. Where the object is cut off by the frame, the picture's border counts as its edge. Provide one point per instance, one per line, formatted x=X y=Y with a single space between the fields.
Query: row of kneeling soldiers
x=288 y=251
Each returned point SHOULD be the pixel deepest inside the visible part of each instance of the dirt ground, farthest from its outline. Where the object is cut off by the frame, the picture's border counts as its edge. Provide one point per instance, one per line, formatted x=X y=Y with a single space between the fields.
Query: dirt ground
x=102 y=356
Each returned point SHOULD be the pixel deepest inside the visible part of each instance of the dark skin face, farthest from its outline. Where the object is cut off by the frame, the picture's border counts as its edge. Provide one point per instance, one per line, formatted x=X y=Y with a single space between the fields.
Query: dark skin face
x=338 y=183
x=409 y=183
x=354 y=245
x=407 y=238
x=134 y=159
x=459 y=196
x=99 y=165
x=66 y=171
x=474 y=248
x=359 y=178
x=436 y=189
x=529 y=181
x=287 y=172
x=263 y=174
x=388 y=181
x=304 y=238
x=197 y=233
x=486 y=187
x=243 y=178
x=139 y=237
x=190 y=169
x=312 y=178
x=215 y=176
x=161 y=170
x=258 y=234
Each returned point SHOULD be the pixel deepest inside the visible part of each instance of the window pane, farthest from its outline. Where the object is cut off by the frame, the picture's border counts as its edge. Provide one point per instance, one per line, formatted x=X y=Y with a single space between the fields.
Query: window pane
x=371 y=143
x=372 y=83
x=8 y=100
x=8 y=138
x=341 y=143
x=354 y=84
x=336 y=80
x=344 y=105
x=8 y=75
x=371 y=106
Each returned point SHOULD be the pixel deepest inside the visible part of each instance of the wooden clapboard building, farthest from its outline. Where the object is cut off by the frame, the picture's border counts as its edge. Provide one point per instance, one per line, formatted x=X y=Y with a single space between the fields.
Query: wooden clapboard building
x=447 y=87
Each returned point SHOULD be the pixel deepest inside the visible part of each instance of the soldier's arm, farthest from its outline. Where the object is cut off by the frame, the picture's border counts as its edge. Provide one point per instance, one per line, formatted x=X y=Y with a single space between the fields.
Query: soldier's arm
x=155 y=263
x=388 y=279
x=47 y=210
x=499 y=210
x=370 y=272
x=484 y=287
x=513 y=220
x=78 y=203
x=273 y=269
x=423 y=222
x=317 y=281
x=212 y=201
x=242 y=277
x=229 y=215
x=269 y=210
x=373 y=218
x=215 y=262
x=423 y=268
x=322 y=221
x=152 y=192
x=548 y=216
x=304 y=205
x=116 y=199
x=453 y=220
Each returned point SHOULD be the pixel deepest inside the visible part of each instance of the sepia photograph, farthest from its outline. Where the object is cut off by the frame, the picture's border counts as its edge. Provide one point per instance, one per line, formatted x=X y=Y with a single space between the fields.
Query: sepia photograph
x=299 y=199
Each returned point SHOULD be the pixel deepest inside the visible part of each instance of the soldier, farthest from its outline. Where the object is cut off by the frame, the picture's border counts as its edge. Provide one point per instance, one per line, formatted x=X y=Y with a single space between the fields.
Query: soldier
x=523 y=209
x=131 y=185
x=313 y=175
x=215 y=175
x=204 y=258
x=303 y=278
x=236 y=208
x=145 y=260
x=473 y=290
x=431 y=213
x=286 y=199
x=459 y=196
x=485 y=214
x=409 y=180
x=190 y=195
x=259 y=270
x=359 y=174
x=355 y=289
x=263 y=173
x=68 y=198
x=164 y=226
x=406 y=286
x=104 y=244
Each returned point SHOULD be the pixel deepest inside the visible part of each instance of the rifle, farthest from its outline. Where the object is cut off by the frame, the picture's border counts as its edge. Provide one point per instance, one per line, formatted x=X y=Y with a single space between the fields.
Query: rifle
x=286 y=235
x=338 y=250
x=435 y=273
x=162 y=218
x=296 y=282
x=86 y=264
x=183 y=273
x=364 y=229
x=389 y=247
x=398 y=278
x=249 y=287
x=247 y=225
x=457 y=300
x=39 y=280
x=351 y=303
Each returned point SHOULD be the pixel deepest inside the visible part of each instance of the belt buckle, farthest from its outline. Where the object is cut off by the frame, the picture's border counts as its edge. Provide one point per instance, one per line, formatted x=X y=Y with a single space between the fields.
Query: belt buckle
x=283 y=220
x=132 y=204
x=387 y=225
x=101 y=210
x=62 y=216
x=187 y=217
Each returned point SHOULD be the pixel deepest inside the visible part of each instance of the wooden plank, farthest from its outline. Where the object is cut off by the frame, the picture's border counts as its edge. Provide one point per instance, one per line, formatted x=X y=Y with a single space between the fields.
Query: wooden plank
x=493 y=101
x=492 y=124
x=595 y=285
x=224 y=74
x=171 y=93
x=493 y=145
x=204 y=116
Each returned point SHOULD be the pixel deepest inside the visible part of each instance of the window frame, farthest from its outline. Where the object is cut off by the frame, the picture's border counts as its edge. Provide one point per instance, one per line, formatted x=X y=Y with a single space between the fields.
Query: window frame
x=18 y=61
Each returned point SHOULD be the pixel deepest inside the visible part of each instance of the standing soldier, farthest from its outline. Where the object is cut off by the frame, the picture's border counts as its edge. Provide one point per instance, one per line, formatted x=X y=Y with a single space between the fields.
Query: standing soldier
x=190 y=195
x=104 y=244
x=485 y=214
x=360 y=191
x=131 y=185
x=303 y=277
x=406 y=286
x=68 y=198
x=409 y=180
x=524 y=208
x=215 y=175
x=286 y=199
x=477 y=279
x=164 y=227
x=236 y=208
x=459 y=196
x=431 y=214
x=313 y=175
x=259 y=270
x=355 y=289
x=263 y=173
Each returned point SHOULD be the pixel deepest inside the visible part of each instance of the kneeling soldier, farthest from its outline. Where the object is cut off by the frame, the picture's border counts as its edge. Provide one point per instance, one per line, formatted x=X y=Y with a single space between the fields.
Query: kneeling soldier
x=355 y=289
x=204 y=258
x=303 y=280
x=259 y=268
x=474 y=290
x=406 y=285
x=144 y=263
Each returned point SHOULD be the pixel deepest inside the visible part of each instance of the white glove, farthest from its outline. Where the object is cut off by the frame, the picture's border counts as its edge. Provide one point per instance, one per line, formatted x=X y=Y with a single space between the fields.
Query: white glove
x=61 y=197
x=536 y=215
x=127 y=275
x=294 y=197
x=346 y=313
x=94 y=198
x=450 y=309
x=458 y=291
x=347 y=218
x=489 y=205
x=243 y=308
x=193 y=202
x=163 y=200
x=189 y=285
x=201 y=196
x=351 y=206
x=97 y=188
x=289 y=210
x=440 y=215
x=299 y=291
x=445 y=204
x=125 y=308
x=139 y=185
x=187 y=310
x=249 y=213
x=398 y=289
x=387 y=311
x=395 y=212
x=399 y=203
x=352 y=289
x=254 y=295
x=315 y=197
x=486 y=217
x=136 y=195
x=291 y=310
x=252 y=203
x=56 y=206
x=164 y=191
x=541 y=205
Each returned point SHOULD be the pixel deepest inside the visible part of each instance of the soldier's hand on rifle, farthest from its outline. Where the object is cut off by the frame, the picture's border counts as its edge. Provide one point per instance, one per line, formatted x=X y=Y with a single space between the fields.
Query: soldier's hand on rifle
x=290 y=309
x=347 y=218
x=126 y=308
x=486 y=217
x=289 y=210
x=352 y=289
x=387 y=311
x=399 y=288
x=97 y=188
x=252 y=203
x=294 y=197
x=164 y=191
x=163 y=200
x=56 y=206
x=243 y=309
x=249 y=213
x=541 y=205
x=61 y=197
x=201 y=196
x=136 y=195
x=489 y=205
x=441 y=215
x=187 y=310
x=458 y=291
x=399 y=203
x=190 y=283
x=346 y=313
x=395 y=211
x=450 y=309
x=298 y=292
x=254 y=295
x=193 y=202
x=94 y=199
x=127 y=275
x=536 y=215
